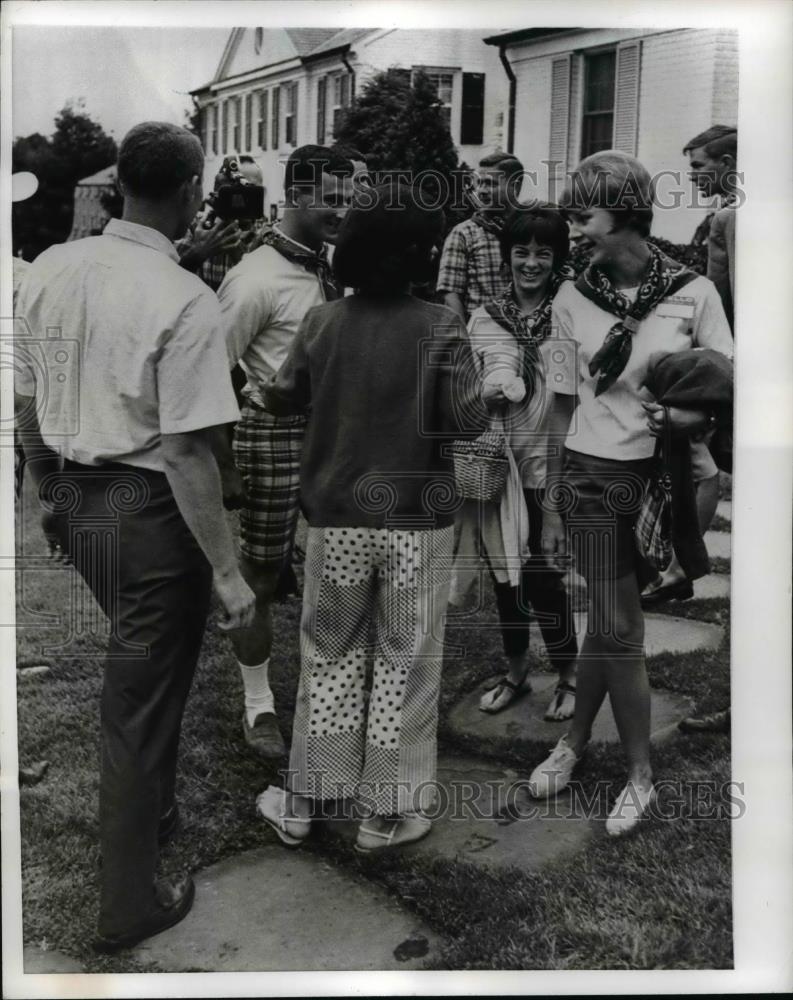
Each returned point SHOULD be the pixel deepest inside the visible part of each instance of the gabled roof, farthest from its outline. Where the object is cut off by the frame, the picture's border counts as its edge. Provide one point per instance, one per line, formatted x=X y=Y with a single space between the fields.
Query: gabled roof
x=305 y=40
x=340 y=39
x=102 y=177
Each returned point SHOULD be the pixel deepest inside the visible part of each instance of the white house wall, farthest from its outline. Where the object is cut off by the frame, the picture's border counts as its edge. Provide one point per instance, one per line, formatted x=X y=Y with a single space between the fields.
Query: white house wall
x=689 y=81
x=462 y=51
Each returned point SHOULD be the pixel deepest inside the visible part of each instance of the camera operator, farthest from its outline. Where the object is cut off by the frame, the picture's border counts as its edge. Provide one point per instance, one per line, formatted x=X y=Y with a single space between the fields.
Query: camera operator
x=220 y=235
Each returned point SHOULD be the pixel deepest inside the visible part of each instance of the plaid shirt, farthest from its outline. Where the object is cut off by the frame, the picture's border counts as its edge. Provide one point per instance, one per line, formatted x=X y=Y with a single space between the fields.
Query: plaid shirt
x=471 y=265
x=213 y=271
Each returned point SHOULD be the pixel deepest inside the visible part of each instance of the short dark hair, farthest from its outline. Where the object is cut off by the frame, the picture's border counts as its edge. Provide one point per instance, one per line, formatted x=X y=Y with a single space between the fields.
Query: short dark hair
x=306 y=165
x=507 y=163
x=717 y=141
x=156 y=158
x=538 y=221
x=616 y=182
x=347 y=151
x=246 y=158
x=386 y=239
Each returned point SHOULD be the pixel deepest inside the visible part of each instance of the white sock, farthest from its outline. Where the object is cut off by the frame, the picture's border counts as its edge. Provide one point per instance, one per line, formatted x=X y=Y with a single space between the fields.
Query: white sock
x=258 y=696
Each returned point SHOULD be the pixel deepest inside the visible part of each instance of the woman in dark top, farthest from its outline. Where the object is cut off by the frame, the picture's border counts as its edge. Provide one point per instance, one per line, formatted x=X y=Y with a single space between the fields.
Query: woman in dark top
x=386 y=378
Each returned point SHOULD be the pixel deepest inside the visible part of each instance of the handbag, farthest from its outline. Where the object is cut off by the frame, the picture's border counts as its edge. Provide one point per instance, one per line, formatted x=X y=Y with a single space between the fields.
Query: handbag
x=653 y=529
x=481 y=465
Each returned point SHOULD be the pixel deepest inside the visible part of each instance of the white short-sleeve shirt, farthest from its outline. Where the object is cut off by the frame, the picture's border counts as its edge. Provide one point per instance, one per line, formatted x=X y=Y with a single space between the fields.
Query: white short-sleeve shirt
x=124 y=346
x=263 y=300
x=498 y=355
x=614 y=425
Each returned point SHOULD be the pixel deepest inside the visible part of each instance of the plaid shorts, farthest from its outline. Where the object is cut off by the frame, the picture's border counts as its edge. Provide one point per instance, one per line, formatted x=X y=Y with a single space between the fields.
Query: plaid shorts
x=267 y=451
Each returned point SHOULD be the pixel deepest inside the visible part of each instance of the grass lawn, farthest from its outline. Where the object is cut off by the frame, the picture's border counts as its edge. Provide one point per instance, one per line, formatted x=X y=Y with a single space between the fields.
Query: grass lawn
x=658 y=900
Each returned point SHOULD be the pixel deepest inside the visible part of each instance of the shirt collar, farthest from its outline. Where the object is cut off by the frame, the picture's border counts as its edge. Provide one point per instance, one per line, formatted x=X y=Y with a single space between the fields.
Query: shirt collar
x=302 y=246
x=144 y=235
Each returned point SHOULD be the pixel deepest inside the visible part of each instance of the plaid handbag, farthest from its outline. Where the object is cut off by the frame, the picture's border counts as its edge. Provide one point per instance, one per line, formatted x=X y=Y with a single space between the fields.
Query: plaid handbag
x=481 y=465
x=653 y=529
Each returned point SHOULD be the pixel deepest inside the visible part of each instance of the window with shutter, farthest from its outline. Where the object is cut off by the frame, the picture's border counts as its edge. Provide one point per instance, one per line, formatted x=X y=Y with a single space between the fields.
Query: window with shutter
x=224 y=127
x=276 y=117
x=215 y=118
x=472 y=122
x=597 y=132
x=341 y=97
x=237 y=112
x=264 y=98
x=626 y=99
x=248 y=121
x=560 y=120
x=322 y=100
x=290 y=113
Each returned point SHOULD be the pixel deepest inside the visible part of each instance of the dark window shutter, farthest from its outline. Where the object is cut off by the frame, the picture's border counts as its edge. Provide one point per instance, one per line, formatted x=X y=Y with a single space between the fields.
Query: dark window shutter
x=294 y=113
x=322 y=103
x=264 y=97
x=560 y=122
x=276 y=115
x=626 y=98
x=472 y=124
x=224 y=128
x=248 y=121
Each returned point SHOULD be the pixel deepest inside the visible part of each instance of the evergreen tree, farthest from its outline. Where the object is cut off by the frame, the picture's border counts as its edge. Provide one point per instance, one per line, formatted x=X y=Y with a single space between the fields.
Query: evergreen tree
x=77 y=148
x=401 y=128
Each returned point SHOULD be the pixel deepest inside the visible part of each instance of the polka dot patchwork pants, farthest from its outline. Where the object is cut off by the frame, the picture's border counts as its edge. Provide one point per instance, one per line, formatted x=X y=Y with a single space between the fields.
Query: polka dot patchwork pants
x=374 y=596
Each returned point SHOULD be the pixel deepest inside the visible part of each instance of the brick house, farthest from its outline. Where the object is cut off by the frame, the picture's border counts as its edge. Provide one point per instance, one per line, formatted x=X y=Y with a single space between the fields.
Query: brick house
x=574 y=91
x=276 y=89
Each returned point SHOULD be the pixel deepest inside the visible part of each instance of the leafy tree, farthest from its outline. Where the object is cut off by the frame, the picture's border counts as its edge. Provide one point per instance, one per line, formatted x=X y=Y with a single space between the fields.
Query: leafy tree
x=77 y=148
x=401 y=127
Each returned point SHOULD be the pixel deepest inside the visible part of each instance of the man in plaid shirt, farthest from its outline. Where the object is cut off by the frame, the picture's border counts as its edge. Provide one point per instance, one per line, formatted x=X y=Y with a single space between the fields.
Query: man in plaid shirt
x=471 y=270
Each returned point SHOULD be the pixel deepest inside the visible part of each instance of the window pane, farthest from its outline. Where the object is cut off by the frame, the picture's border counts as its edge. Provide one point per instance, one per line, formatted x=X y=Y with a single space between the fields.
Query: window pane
x=600 y=74
x=598 y=133
x=262 y=130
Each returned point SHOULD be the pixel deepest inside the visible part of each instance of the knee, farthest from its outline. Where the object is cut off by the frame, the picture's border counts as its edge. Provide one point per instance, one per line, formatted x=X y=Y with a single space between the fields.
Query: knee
x=617 y=625
x=262 y=580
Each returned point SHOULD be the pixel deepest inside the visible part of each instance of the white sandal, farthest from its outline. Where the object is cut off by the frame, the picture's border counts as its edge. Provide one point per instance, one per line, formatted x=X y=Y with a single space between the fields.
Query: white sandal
x=405 y=830
x=271 y=806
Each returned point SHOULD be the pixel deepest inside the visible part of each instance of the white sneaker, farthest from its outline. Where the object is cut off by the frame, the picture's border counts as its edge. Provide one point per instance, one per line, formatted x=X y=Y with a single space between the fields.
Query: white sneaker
x=632 y=803
x=553 y=775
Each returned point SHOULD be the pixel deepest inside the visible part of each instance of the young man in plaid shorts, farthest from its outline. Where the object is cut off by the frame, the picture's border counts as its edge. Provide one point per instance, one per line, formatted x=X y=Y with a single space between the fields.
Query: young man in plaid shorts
x=471 y=270
x=264 y=299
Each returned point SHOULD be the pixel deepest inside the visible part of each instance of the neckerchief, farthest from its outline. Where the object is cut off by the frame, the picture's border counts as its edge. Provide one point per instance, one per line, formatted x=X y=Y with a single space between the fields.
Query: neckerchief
x=488 y=223
x=315 y=263
x=531 y=329
x=662 y=277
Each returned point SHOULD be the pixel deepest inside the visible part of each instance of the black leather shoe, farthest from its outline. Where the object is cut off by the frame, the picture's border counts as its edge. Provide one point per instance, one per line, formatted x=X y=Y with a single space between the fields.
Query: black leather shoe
x=169 y=824
x=264 y=736
x=716 y=722
x=174 y=902
x=681 y=590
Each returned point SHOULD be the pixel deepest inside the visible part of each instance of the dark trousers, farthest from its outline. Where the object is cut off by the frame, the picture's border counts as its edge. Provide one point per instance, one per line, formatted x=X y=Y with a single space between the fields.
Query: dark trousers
x=542 y=589
x=130 y=543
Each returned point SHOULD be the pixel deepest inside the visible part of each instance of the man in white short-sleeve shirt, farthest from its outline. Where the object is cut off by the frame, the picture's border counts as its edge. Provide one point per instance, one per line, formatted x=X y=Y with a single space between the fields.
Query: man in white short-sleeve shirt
x=123 y=373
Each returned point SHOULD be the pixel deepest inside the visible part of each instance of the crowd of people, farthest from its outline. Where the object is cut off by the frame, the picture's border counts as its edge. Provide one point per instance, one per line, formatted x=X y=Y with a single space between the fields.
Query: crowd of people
x=349 y=400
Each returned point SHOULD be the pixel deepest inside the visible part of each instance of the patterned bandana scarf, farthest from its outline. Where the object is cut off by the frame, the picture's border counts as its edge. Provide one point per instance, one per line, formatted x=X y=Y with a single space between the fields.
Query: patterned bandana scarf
x=315 y=263
x=529 y=330
x=662 y=277
x=491 y=224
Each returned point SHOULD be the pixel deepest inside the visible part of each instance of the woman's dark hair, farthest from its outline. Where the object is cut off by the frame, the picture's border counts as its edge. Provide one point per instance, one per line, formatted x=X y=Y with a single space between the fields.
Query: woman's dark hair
x=386 y=239
x=538 y=221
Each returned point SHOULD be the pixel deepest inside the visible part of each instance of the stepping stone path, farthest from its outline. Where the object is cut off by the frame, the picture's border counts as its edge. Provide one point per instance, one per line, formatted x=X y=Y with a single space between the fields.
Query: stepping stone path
x=483 y=814
x=276 y=909
x=36 y=961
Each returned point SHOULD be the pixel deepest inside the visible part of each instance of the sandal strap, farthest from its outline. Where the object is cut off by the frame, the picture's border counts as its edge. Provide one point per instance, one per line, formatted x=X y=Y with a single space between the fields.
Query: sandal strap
x=565 y=686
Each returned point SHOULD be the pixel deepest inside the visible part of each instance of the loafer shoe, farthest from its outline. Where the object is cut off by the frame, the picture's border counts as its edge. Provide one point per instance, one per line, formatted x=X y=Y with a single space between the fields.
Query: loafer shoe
x=680 y=590
x=264 y=736
x=631 y=805
x=271 y=806
x=394 y=833
x=174 y=902
x=717 y=722
x=554 y=773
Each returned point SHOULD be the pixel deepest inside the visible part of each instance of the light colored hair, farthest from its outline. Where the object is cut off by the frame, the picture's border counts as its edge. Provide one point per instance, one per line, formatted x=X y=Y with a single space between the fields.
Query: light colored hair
x=614 y=181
